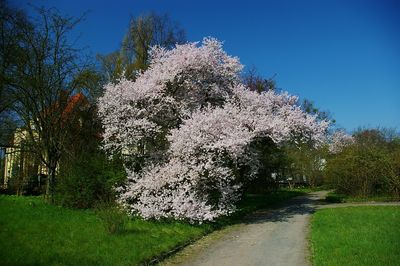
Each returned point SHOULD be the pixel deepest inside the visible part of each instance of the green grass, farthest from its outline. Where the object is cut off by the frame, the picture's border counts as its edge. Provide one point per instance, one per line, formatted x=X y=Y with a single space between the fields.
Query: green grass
x=334 y=197
x=34 y=232
x=356 y=236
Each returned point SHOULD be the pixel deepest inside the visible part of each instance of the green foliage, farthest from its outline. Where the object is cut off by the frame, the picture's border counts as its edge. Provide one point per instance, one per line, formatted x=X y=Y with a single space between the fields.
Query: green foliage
x=366 y=168
x=32 y=185
x=272 y=159
x=394 y=153
x=356 y=236
x=309 y=107
x=360 y=171
x=306 y=161
x=89 y=179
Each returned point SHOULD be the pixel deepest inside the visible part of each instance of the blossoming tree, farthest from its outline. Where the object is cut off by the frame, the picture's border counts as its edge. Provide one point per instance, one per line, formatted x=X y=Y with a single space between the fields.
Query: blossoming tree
x=339 y=140
x=185 y=128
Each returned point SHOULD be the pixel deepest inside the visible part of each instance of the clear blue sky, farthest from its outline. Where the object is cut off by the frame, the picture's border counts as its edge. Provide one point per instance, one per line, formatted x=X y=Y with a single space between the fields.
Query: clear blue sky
x=343 y=54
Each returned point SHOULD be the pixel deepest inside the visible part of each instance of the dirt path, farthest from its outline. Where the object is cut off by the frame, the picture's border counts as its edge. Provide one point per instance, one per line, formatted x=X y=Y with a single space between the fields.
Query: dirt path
x=273 y=237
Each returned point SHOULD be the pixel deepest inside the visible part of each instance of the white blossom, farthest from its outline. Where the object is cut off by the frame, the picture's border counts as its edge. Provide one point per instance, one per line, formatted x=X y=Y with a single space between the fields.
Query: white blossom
x=195 y=123
x=339 y=140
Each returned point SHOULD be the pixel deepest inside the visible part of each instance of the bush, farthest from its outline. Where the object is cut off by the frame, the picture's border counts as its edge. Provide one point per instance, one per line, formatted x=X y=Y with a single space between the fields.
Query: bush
x=114 y=218
x=394 y=181
x=366 y=168
x=88 y=180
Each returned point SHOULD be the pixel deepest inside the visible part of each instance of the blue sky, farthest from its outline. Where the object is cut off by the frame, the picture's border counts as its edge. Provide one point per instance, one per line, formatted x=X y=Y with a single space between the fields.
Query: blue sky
x=344 y=55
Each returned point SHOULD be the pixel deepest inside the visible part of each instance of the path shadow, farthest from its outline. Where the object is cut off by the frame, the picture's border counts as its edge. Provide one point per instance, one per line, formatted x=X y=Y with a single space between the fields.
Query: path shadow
x=302 y=205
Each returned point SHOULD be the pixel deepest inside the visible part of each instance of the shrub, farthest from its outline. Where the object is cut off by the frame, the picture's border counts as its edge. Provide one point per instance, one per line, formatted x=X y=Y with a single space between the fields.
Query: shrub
x=89 y=179
x=394 y=181
x=365 y=168
x=360 y=171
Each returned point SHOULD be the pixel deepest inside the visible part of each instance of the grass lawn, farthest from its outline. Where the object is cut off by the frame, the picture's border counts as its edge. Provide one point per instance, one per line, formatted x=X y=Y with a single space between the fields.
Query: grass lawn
x=34 y=232
x=356 y=236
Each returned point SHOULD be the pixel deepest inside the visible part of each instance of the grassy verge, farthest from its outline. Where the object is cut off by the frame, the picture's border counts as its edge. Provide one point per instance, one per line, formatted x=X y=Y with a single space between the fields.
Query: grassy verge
x=33 y=232
x=334 y=197
x=356 y=236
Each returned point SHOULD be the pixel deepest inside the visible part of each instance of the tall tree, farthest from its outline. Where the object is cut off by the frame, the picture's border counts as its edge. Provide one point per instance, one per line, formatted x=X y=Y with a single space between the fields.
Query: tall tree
x=144 y=32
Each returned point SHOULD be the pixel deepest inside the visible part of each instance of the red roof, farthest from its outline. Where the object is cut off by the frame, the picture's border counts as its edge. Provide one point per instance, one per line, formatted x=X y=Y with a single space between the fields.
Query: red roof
x=74 y=102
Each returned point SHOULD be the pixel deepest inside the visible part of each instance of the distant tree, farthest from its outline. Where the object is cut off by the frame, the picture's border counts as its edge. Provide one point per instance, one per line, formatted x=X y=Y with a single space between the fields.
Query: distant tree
x=111 y=66
x=367 y=166
x=144 y=32
x=309 y=107
x=255 y=82
x=339 y=140
x=91 y=82
x=306 y=163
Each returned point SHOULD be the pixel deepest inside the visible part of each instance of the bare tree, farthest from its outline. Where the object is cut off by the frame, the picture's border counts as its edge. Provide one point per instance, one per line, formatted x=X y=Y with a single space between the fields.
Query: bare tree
x=254 y=81
x=11 y=21
x=41 y=81
x=10 y=37
x=110 y=65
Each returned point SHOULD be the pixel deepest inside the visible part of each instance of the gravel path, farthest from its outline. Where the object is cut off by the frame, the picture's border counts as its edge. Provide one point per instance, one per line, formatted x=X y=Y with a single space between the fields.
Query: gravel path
x=273 y=237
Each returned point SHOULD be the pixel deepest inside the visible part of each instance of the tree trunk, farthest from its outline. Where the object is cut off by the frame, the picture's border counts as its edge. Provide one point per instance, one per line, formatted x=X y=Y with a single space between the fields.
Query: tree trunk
x=51 y=183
